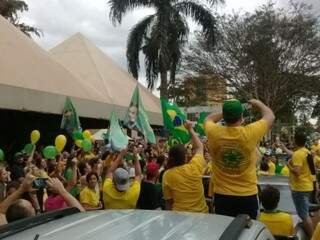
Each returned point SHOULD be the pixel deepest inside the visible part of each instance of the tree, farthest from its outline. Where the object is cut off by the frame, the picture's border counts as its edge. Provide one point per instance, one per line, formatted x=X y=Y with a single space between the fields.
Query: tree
x=272 y=55
x=9 y=9
x=162 y=35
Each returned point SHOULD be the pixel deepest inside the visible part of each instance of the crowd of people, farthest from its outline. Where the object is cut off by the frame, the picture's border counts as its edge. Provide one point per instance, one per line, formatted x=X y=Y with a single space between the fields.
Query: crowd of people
x=155 y=177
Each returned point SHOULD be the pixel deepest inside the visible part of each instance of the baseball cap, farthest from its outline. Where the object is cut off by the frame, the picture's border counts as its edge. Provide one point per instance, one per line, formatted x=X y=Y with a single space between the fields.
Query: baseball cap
x=232 y=109
x=152 y=169
x=121 y=179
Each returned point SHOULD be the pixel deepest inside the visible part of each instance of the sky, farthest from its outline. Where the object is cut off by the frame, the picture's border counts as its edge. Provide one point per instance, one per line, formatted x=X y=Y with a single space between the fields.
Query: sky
x=60 y=19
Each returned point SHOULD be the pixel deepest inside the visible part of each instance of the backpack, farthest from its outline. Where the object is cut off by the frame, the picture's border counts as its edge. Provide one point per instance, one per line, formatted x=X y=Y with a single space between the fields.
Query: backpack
x=310 y=161
x=311 y=164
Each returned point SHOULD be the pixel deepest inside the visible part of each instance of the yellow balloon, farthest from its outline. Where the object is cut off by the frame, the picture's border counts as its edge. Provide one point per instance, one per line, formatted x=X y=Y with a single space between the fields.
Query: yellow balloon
x=78 y=143
x=34 y=136
x=86 y=134
x=60 y=142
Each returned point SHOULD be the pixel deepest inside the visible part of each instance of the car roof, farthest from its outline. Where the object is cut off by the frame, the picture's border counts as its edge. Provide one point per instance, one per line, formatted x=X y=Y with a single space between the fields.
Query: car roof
x=273 y=180
x=136 y=224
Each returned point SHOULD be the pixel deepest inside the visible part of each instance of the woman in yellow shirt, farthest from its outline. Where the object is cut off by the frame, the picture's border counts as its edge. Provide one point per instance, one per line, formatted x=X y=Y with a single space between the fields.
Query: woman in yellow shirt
x=182 y=183
x=89 y=196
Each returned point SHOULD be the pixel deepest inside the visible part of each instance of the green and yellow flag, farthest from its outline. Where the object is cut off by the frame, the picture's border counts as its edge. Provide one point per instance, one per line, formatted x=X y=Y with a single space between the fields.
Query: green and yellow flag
x=199 y=128
x=173 y=119
x=70 y=119
x=117 y=139
x=137 y=118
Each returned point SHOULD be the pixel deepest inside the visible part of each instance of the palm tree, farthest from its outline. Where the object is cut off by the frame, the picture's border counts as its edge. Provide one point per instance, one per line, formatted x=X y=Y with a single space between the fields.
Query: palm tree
x=162 y=35
x=9 y=9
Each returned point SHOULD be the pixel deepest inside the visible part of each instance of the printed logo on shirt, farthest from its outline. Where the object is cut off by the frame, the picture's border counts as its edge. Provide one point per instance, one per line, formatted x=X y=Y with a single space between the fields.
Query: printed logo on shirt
x=232 y=160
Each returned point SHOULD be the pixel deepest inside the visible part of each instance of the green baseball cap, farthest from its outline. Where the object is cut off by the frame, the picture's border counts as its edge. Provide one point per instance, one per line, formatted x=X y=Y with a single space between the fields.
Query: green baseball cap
x=232 y=109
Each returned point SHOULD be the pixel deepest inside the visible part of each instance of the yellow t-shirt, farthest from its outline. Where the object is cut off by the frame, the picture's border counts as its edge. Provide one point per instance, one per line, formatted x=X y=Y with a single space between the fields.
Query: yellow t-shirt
x=272 y=168
x=90 y=197
x=315 y=148
x=278 y=223
x=317 y=161
x=113 y=199
x=316 y=233
x=233 y=152
x=184 y=185
x=285 y=171
x=304 y=181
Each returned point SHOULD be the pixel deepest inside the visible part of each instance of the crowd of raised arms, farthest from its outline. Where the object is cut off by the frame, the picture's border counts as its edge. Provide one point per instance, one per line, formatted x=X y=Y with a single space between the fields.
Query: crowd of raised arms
x=155 y=177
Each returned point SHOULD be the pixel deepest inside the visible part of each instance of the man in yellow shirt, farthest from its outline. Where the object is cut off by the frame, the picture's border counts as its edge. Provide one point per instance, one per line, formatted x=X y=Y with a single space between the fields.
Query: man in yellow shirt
x=182 y=182
x=233 y=151
x=301 y=182
x=118 y=192
x=279 y=223
x=316 y=146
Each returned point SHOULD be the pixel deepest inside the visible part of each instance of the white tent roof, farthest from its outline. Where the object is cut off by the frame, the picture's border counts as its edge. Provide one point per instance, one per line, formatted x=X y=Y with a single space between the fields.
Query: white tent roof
x=89 y=64
x=31 y=80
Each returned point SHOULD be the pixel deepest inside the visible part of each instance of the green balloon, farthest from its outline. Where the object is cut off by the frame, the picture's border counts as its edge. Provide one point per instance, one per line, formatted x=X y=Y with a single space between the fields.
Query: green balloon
x=28 y=148
x=77 y=135
x=50 y=152
x=86 y=145
x=1 y=155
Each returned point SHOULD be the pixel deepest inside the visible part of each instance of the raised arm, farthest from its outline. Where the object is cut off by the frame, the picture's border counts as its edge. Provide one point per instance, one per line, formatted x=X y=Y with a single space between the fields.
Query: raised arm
x=197 y=144
x=266 y=112
x=25 y=186
x=114 y=165
x=284 y=148
x=137 y=166
x=30 y=158
x=56 y=186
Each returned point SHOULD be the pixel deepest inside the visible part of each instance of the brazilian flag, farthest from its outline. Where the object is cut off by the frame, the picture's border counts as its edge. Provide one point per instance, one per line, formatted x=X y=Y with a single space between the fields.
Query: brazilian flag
x=200 y=124
x=173 y=119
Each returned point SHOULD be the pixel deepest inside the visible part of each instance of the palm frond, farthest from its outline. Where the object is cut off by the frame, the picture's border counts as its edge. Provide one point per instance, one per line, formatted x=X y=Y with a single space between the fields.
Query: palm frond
x=152 y=52
x=178 y=37
x=118 y=8
x=201 y=15
x=135 y=41
x=28 y=30
x=215 y=2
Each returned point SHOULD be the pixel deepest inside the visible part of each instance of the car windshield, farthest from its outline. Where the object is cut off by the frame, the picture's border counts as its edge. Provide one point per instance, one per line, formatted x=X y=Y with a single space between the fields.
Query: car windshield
x=286 y=202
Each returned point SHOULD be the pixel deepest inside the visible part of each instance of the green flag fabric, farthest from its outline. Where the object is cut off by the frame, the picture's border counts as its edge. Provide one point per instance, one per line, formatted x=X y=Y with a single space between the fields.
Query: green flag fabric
x=70 y=119
x=137 y=119
x=117 y=139
x=173 y=118
x=200 y=124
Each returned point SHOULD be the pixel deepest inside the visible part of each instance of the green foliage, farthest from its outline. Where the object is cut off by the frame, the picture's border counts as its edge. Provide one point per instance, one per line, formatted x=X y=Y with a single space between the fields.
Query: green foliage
x=272 y=55
x=9 y=9
x=162 y=35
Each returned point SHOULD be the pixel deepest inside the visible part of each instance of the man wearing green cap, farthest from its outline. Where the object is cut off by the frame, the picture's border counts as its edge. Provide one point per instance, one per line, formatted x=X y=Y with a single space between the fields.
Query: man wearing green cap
x=233 y=151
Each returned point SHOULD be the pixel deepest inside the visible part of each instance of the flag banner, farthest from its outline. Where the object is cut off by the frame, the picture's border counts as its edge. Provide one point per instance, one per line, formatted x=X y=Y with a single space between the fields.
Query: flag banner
x=70 y=119
x=116 y=138
x=200 y=124
x=173 y=119
x=137 y=118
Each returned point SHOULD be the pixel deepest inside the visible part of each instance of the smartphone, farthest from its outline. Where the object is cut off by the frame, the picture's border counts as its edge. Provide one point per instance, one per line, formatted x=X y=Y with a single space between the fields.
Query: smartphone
x=39 y=183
